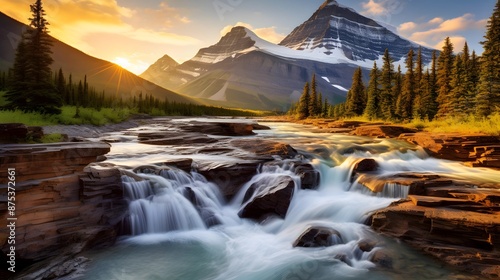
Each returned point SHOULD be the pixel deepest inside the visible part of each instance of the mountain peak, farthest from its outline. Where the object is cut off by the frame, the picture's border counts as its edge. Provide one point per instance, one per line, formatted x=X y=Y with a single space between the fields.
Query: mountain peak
x=339 y=31
x=329 y=3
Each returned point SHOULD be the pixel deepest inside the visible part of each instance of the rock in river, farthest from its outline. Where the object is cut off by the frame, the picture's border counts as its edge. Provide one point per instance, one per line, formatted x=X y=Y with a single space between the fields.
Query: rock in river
x=268 y=196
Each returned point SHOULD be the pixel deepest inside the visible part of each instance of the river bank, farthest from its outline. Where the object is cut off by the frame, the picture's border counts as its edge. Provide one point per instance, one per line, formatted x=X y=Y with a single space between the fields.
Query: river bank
x=230 y=153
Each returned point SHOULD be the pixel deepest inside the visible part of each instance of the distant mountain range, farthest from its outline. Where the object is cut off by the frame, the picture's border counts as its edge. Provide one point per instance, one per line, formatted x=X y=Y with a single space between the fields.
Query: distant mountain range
x=101 y=74
x=243 y=70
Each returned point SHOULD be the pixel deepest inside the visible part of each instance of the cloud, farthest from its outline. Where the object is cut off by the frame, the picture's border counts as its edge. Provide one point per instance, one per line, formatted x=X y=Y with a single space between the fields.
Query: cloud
x=374 y=8
x=267 y=33
x=432 y=33
x=74 y=22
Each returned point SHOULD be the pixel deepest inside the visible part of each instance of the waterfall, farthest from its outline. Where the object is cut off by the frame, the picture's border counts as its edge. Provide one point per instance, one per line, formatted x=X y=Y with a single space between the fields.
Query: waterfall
x=172 y=201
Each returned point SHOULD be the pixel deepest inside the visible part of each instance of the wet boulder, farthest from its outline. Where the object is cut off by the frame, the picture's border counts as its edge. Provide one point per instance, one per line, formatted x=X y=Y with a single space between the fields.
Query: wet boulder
x=316 y=236
x=268 y=196
x=309 y=176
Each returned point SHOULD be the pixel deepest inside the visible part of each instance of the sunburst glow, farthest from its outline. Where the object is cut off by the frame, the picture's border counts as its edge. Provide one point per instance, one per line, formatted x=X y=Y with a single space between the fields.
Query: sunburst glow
x=123 y=62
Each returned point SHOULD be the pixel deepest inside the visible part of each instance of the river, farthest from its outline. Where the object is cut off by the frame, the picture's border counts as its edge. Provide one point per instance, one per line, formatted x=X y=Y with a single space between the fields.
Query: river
x=172 y=239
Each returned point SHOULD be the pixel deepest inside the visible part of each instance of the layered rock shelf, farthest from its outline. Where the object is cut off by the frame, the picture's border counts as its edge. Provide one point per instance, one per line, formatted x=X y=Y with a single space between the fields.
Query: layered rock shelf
x=457 y=222
x=473 y=150
x=61 y=208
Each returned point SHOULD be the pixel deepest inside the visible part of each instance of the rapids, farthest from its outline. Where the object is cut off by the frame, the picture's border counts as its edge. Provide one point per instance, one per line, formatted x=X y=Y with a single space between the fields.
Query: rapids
x=181 y=227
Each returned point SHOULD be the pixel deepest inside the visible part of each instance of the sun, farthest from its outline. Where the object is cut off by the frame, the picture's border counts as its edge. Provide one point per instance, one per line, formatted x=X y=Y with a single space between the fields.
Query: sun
x=123 y=62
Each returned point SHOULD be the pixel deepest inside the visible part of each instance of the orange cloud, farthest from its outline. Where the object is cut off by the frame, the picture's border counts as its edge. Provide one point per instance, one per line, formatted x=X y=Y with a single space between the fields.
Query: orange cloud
x=432 y=32
x=373 y=8
x=75 y=22
x=266 y=33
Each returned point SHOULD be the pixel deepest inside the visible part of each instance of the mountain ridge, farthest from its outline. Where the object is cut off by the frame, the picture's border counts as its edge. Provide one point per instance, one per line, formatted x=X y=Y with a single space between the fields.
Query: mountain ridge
x=242 y=67
x=101 y=74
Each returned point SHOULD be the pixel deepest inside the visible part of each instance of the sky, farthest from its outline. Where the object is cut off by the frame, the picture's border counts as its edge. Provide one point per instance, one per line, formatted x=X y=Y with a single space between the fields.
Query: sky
x=134 y=34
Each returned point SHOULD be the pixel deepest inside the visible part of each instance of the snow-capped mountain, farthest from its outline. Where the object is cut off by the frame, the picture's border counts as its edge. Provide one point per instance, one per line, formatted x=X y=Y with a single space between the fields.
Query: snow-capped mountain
x=243 y=70
x=338 y=31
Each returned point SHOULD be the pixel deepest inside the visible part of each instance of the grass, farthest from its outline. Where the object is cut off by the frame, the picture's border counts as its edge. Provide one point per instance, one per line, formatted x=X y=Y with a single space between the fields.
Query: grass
x=67 y=117
x=466 y=124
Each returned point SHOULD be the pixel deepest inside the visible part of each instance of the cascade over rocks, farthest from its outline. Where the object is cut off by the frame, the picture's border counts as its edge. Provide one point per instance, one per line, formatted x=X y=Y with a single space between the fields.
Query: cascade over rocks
x=268 y=196
x=316 y=236
x=309 y=176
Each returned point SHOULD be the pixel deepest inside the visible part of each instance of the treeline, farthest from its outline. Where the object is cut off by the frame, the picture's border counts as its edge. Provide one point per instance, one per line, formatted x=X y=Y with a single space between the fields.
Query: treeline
x=452 y=85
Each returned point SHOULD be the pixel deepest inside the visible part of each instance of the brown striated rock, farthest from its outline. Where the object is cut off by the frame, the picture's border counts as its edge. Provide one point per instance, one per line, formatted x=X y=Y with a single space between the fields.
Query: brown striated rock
x=382 y=131
x=316 y=236
x=181 y=163
x=40 y=161
x=265 y=148
x=475 y=150
x=174 y=138
x=466 y=239
x=229 y=177
x=61 y=209
x=219 y=128
x=13 y=132
x=268 y=196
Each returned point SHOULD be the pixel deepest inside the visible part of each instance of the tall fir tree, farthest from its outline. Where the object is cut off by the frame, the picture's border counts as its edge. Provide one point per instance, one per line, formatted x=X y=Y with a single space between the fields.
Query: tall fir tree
x=32 y=86
x=372 y=110
x=419 y=73
x=444 y=75
x=488 y=97
x=355 y=103
x=313 y=101
x=458 y=88
x=396 y=91
x=303 y=107
x=404 y=105
x=386 y=84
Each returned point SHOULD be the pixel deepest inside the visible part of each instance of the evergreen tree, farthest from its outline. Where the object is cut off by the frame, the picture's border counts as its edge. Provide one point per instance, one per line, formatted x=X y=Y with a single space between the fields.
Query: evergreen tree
x=396 y=91
x=419 y=73
x=444 y=75
x=304 y=102
x=313 y=101
x=432 y=106
x=32 y=87
x=326 y=108
x=406 y=99
x=355 y=103
x=458 y=88
x=319 y=105
x=372 y=110
x=488 y=98
x=61 y=85
x=386 y=91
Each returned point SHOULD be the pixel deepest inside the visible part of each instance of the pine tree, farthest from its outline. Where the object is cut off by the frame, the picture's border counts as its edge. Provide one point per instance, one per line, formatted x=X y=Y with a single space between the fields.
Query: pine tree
x=326 y=108
x=313 y=101
x=32 y=86
x=319 y=105
x=396 y=91
x=444 y=75
x=61 y=85
x=458 y=88
x=372 y=110
x=488 y=98
x=404 y=106
x=386 y=91
x=355 y=103
x=304 y=102
x=419 y=72
x=432 y=107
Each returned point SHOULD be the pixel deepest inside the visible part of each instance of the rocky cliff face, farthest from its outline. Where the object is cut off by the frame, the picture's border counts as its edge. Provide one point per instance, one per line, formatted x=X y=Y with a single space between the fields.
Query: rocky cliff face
x=336 y=30
x=60 y=208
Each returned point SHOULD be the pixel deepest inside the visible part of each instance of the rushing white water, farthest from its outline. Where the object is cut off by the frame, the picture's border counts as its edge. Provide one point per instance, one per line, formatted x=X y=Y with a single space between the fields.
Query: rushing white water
x=182 y=228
